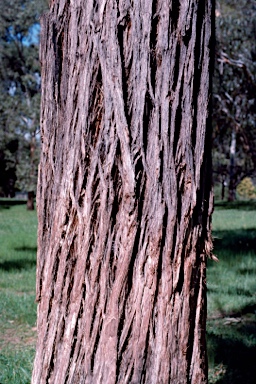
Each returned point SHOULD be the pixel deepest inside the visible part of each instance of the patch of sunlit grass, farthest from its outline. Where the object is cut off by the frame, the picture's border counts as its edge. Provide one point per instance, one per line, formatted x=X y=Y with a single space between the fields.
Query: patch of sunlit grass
x=17 y=293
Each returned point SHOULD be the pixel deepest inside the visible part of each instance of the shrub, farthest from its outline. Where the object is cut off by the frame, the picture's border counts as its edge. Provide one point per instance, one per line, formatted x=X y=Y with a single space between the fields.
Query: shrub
x=246 y=189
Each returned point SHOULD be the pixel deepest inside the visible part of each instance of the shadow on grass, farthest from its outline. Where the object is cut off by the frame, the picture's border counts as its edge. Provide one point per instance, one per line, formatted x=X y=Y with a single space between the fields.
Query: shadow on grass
x=237 y=358
x=3 y=207
x=240 y=240
x=7 y=203
x=231 y=343
x=249 y=205
x=17 y=264
x=247 y=309
x=25 y=248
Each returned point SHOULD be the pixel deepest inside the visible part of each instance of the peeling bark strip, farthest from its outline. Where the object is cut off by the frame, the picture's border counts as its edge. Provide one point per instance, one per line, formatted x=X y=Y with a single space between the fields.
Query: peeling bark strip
x=124 y=192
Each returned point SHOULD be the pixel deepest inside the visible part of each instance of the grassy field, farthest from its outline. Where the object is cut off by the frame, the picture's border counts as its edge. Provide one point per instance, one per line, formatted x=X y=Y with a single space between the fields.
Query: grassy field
x=231 y=294
x=17 y=293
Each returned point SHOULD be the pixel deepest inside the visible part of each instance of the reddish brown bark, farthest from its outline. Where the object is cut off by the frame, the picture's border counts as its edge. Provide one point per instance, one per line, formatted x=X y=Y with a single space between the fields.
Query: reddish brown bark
x=30 y=201
x=124 y=192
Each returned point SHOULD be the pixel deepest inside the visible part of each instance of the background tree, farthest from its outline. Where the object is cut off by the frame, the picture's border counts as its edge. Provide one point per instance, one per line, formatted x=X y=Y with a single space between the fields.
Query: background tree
x=234 y=154
x=20 y=94
x=124 y=192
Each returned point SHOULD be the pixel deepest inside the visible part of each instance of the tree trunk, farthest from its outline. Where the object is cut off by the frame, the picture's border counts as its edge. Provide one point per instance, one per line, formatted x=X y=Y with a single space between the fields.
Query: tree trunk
x=223 y=185
x=32 y=169
x=30 y=201
x=124 y=192
x=232 y=176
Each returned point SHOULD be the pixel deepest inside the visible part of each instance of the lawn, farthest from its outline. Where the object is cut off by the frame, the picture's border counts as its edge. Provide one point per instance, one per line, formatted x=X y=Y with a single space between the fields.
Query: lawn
x=231 y=294
x=17 y=293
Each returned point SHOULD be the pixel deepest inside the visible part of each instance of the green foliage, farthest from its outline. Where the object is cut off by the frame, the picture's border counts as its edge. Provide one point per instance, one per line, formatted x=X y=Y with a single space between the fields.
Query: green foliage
x=246 y=189
x=19 y=94
x=234 y=90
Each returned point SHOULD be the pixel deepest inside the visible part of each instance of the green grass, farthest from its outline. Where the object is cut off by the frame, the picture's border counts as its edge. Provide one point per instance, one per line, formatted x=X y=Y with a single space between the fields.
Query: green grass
x=231 y=329
x=17 y=292
x=16 y=366
x=232 y=295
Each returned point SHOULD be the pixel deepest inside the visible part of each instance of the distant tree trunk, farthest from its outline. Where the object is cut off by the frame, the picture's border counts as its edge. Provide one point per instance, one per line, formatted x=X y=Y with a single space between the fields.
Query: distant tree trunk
x=32 y=171
x=223 y=185
x=30 y=201
x=124 y=192
x=232 y=176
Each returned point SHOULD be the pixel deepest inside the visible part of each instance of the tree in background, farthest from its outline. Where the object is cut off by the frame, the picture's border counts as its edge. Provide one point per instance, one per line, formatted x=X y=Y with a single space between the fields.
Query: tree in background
x=20 y=95
x=234 y=154
x=234 y=141
x=124 y=192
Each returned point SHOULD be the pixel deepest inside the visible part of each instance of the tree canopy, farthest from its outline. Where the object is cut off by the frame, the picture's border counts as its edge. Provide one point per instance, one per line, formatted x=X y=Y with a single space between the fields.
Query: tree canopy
x=234 y=105
x=19 y=94
x=234 y=109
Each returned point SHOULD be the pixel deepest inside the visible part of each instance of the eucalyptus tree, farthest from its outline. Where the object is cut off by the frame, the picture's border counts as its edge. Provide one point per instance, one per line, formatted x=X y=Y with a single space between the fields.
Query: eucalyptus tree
x=234 y=109
x=20 y=92
x=124 y=192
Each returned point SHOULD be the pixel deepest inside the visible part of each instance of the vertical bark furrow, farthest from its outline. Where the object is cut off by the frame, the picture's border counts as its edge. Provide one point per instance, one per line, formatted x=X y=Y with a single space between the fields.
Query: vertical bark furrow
x=123 y=192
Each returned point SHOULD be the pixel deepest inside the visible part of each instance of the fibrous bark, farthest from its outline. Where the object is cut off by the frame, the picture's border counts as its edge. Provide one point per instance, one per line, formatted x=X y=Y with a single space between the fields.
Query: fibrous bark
x=124 y=192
